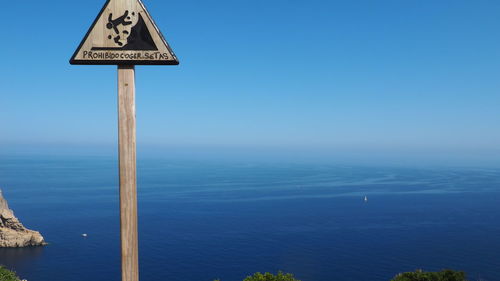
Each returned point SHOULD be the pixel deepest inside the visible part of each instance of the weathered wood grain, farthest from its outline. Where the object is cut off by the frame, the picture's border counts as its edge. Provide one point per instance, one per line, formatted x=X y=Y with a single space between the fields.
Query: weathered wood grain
x=128 y=178
x=108 y=39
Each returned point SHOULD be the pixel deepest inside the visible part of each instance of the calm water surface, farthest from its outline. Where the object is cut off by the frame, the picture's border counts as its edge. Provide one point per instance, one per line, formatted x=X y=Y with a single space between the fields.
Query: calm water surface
x=201 y=221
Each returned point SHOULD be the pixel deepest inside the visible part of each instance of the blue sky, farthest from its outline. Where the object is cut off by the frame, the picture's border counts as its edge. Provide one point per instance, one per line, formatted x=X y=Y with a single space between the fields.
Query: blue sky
x=359 y=77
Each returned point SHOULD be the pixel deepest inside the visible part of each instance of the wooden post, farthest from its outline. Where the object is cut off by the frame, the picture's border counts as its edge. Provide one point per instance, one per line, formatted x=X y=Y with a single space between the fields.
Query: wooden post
x=128 y=178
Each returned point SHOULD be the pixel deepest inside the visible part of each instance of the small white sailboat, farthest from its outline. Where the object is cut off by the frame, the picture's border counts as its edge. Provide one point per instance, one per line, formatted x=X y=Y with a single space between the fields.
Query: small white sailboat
x=84 y=235
x=366 y=199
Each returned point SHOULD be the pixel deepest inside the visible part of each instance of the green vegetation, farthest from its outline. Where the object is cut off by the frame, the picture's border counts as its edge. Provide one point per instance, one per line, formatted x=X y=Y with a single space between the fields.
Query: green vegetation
x=7 y=275
x=419 y=275
x=269 y=277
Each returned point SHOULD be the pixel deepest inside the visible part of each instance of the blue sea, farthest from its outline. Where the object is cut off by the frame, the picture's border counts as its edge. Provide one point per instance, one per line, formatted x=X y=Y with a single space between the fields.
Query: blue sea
x=202 y=220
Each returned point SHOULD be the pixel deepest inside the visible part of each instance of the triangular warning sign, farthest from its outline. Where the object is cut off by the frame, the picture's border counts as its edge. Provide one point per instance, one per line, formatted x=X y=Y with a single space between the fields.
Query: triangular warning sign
x=124 y=33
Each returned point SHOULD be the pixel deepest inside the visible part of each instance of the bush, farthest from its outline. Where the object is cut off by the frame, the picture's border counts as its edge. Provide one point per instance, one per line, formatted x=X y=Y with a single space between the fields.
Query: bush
x=419 y=275
x=269 y=277
x=7 y=275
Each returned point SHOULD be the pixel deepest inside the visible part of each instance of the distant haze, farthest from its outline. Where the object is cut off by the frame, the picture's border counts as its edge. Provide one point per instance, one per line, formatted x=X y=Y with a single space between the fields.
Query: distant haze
x=354 y=81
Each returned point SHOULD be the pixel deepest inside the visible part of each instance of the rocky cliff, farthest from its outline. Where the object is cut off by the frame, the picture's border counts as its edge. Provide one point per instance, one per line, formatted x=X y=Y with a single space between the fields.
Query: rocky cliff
x=12 y=233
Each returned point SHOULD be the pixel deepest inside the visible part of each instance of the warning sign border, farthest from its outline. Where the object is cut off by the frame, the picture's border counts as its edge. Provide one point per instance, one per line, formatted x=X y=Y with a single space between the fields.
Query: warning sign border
x=74 y=61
